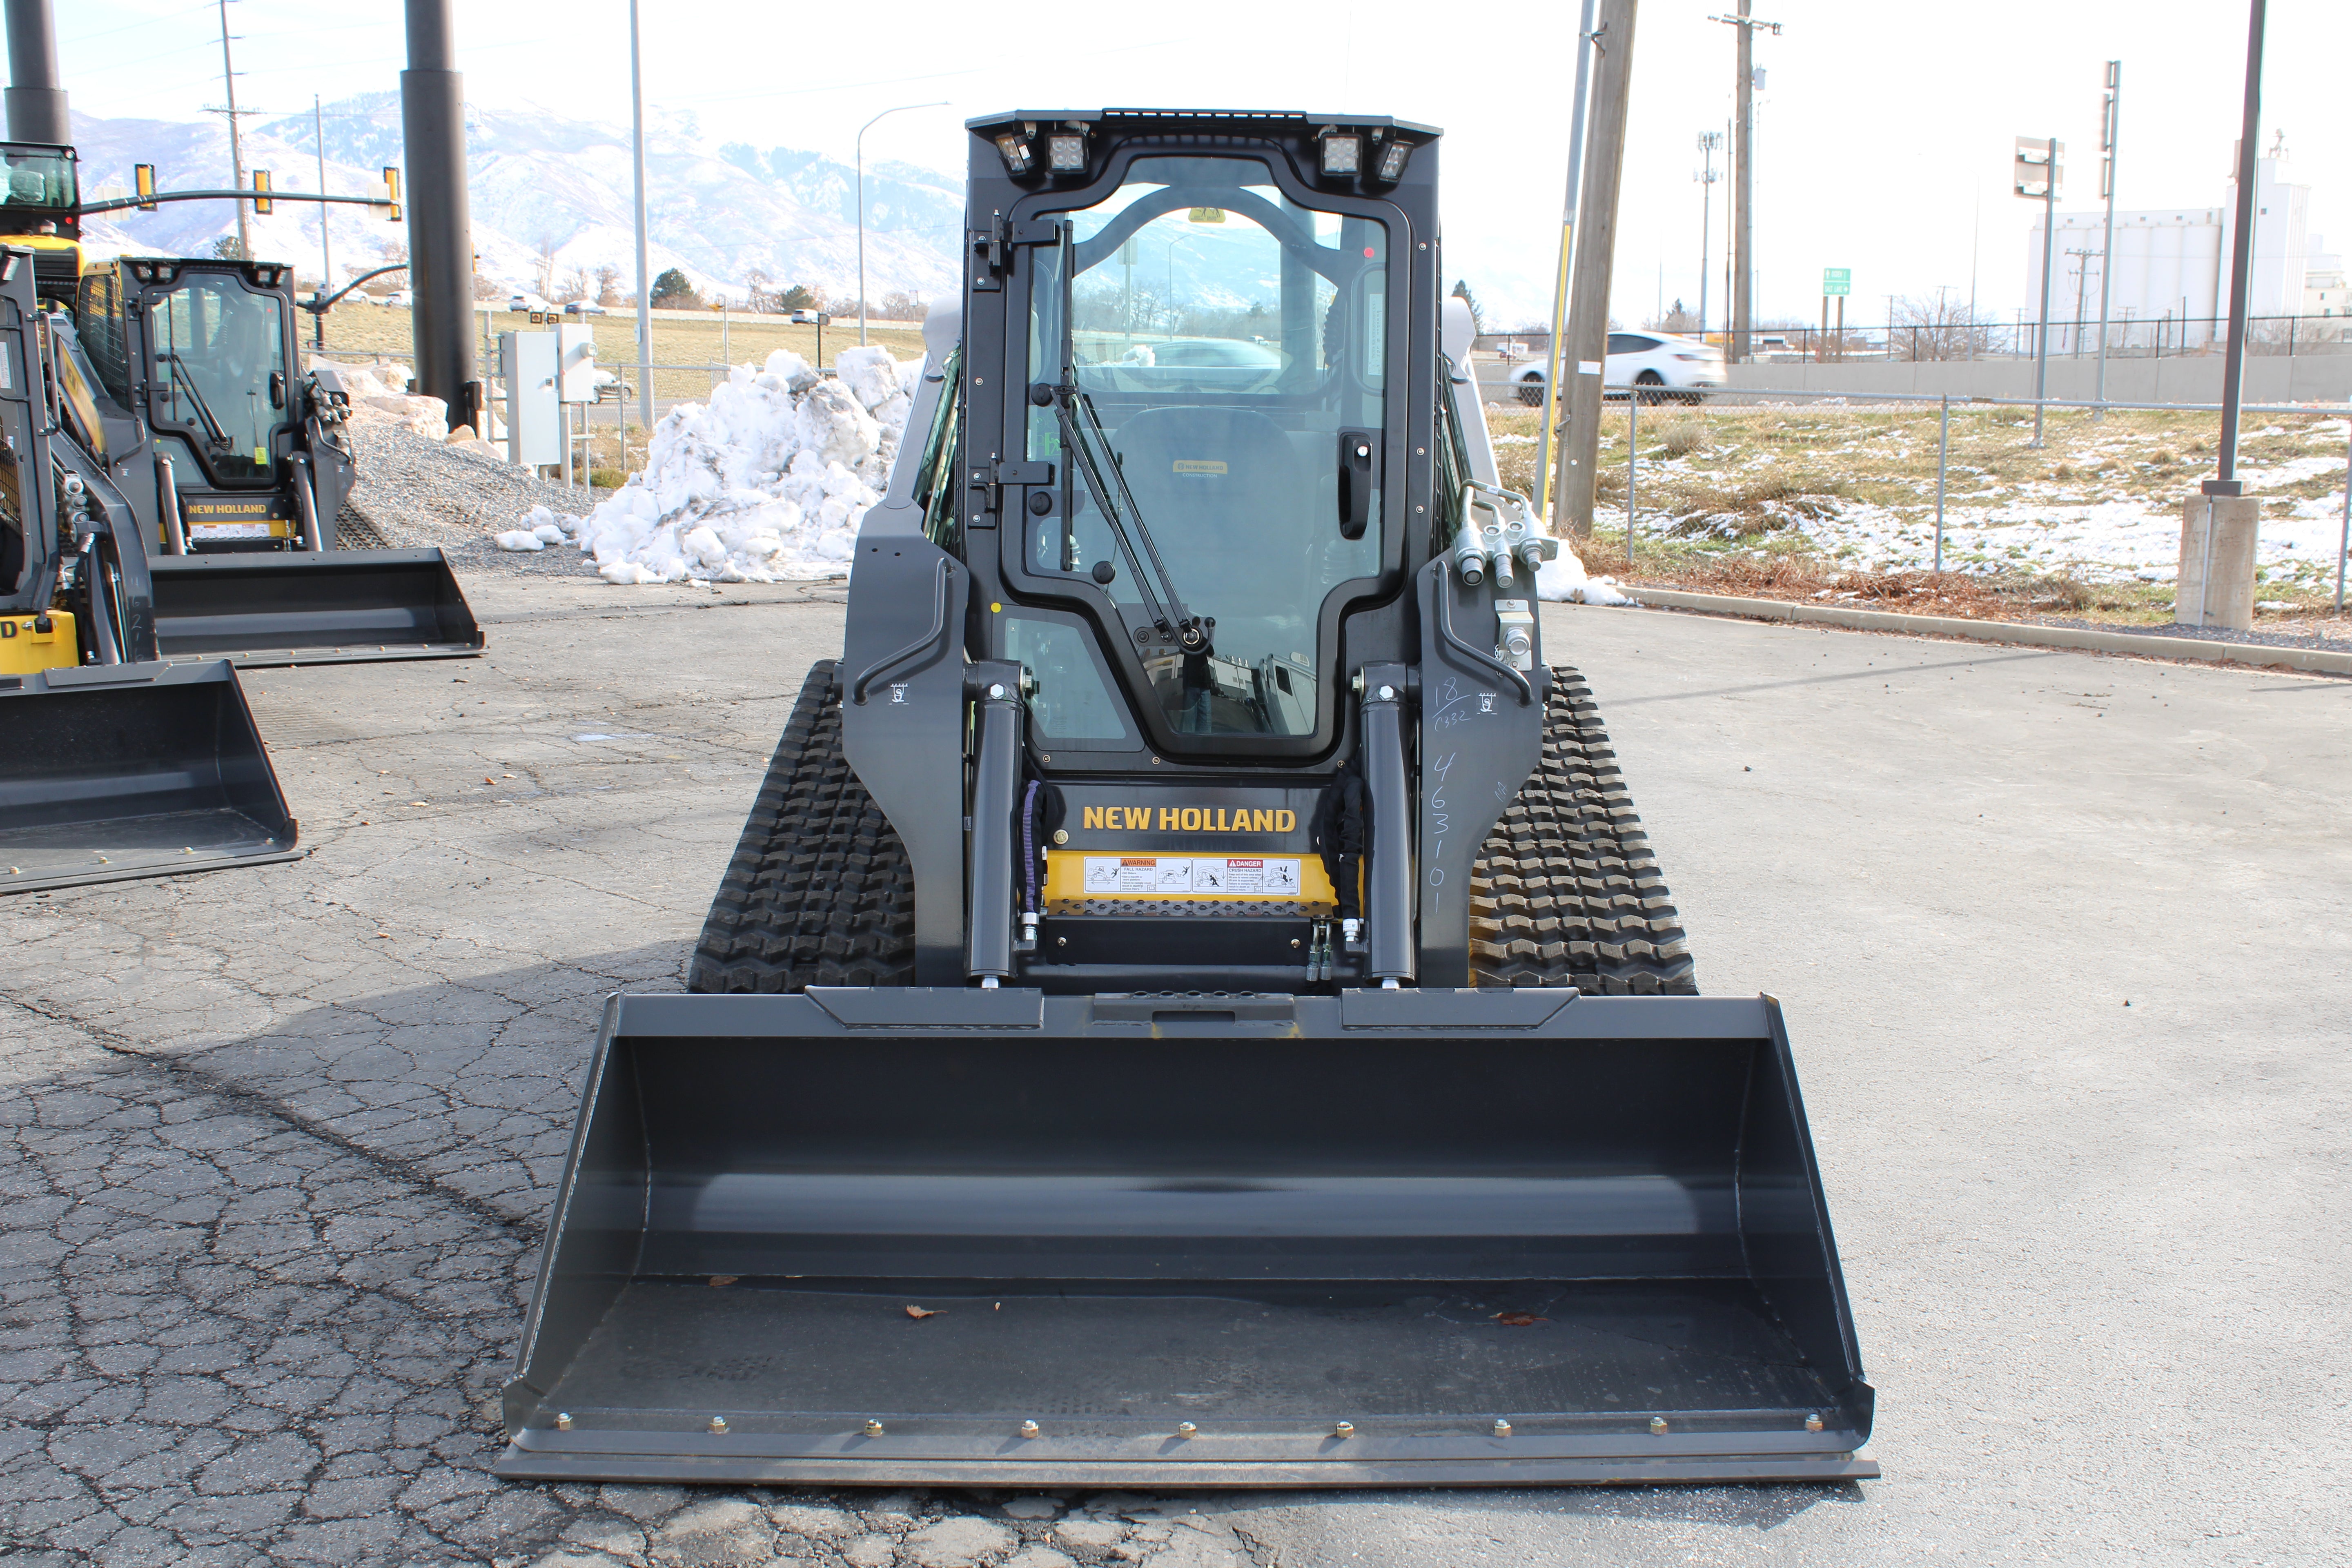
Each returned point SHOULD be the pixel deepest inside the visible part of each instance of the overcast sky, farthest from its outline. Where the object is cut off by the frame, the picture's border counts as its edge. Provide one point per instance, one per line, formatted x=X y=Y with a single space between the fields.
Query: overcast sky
x=1883 y=133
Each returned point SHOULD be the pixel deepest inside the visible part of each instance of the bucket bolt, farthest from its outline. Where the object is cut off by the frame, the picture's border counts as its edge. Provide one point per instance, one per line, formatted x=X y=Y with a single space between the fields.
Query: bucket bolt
x=1814 y=1421
x=1344 y=1429
x=719 y=1426
x=563 y=1421
x=1186 y=1429
x=1502 y=1429
x=1028 y=1429
x=1657 y=1425
x=874 y=1428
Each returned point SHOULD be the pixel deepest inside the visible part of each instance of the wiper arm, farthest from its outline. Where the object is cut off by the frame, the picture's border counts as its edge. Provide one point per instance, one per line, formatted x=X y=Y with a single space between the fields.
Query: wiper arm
x=1172 y=618
x=181 y=378
x=1188 y=629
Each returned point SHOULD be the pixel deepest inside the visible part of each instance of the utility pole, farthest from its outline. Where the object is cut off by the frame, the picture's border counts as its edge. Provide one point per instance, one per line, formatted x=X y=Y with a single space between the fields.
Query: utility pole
x=2082 y=288
x=1588 y=311
x=1708 y=141
x=644 y=279
x=2225 y=482
x=1743 y=177
x=36 y=104
x=1556 y=350
x=2110 y=118
x=236 y=140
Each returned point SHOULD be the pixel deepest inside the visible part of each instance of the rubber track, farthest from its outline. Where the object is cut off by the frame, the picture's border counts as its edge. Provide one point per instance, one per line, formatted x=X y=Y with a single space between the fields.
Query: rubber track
x=820 y=892
x=1566 y=891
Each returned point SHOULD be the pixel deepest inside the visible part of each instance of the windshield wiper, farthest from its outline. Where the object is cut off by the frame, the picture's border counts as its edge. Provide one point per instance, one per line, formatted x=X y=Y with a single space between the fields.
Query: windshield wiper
x=181 y=377
x=1191 y=631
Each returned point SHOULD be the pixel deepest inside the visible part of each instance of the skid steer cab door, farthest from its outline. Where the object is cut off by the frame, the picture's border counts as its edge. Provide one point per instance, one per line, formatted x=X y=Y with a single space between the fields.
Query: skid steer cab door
x=1205 y=466
x=219 y=364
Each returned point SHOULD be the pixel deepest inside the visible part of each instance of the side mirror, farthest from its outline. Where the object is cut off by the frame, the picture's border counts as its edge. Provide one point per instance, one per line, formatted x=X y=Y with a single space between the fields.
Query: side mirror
x=277 y=389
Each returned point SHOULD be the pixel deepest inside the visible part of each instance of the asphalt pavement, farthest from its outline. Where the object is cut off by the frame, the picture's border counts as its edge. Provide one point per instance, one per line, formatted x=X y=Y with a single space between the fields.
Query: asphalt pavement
x=2065 y=944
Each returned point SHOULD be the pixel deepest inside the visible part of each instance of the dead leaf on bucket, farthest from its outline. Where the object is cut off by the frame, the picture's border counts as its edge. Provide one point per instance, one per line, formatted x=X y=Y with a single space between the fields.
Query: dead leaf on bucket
x=919 y=1312
x=1518 y=1320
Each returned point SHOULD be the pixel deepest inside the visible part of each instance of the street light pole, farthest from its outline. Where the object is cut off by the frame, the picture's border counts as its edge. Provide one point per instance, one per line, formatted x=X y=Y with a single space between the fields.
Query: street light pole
x=935 y=103
x=645 y=282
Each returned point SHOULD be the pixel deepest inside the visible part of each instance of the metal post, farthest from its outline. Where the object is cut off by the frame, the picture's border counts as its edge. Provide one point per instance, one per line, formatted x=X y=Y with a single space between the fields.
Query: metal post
x=725 y=356
x=1633 y=462
x=2344 y=539
x=2114 y=118
x=326 y=246
x=2042 y=332
x=36 y=103
x=1708 y=141
x=236 y=140
x=1943 y=454
x=440 y=229
x=1588 y=315
x=2225 y=481
x=645 y=277
x=1555 y=352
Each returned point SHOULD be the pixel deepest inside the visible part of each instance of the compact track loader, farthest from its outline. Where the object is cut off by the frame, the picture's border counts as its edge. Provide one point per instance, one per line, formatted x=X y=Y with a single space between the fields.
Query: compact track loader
x=180 y=377
x=183 y=379
x=1192 y=1004
x=113 y=764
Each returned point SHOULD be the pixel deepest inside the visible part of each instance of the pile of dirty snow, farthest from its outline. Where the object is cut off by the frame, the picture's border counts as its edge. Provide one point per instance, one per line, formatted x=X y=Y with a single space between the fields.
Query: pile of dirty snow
x=1564 y=580
x=766 y=482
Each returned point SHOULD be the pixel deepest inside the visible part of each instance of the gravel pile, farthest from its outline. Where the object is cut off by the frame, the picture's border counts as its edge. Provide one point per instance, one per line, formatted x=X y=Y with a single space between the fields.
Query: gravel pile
x=413 y=492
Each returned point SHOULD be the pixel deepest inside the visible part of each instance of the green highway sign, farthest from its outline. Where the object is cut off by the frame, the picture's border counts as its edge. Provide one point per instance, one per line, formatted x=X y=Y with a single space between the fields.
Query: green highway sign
x=1837 y=280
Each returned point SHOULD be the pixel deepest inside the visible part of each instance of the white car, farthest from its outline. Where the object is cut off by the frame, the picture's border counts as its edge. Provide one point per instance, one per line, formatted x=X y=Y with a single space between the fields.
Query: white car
x=585 y=308
x=400 y=296
x=810 y=318
x=1681 y=369
x=528 y=303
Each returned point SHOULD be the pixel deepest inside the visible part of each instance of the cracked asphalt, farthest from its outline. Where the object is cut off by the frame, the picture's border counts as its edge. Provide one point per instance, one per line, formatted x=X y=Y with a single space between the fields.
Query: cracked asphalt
x=275 y=1145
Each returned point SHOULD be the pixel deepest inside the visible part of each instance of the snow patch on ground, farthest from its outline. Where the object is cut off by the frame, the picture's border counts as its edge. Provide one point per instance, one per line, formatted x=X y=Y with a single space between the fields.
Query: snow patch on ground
x=766 y=482
x=1564 y=580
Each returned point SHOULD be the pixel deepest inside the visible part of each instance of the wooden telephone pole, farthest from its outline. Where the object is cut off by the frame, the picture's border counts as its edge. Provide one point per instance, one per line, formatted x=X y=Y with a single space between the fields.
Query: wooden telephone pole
x=1596 y=244
x=1743 y=178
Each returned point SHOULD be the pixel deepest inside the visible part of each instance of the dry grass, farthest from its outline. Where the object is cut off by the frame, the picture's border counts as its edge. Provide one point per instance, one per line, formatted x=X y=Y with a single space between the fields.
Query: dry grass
x=353 y=329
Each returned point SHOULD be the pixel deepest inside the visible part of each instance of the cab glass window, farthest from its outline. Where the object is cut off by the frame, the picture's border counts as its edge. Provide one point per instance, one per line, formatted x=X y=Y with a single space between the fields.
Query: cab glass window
x=220 y=370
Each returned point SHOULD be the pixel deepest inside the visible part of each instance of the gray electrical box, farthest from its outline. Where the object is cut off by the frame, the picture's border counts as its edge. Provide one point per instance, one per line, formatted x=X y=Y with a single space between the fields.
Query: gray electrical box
x=534 y=419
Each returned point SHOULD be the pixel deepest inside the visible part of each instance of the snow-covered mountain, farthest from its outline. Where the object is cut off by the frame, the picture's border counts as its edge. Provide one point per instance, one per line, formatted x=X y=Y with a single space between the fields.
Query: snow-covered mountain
x=537 y=182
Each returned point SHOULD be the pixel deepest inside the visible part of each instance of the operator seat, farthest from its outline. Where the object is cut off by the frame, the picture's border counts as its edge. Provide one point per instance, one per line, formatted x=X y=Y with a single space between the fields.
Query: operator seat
x=1228 y=500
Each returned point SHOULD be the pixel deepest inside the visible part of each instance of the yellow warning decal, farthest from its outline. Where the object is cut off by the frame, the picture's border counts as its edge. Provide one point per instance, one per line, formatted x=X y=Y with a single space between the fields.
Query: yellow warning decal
x=1074 y=878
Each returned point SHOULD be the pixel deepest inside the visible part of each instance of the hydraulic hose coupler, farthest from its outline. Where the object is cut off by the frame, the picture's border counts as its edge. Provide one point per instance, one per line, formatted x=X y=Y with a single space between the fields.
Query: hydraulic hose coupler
x=1470 y=556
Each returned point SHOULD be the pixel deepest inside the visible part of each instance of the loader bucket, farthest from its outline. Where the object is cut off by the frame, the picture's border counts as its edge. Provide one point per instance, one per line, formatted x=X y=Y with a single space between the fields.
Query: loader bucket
x=113 y=771
x=873 y=1237
x=334 y=606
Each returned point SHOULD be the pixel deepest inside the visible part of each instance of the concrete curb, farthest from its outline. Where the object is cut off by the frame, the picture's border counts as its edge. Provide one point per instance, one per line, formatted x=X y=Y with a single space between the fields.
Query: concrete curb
x=2323 y=661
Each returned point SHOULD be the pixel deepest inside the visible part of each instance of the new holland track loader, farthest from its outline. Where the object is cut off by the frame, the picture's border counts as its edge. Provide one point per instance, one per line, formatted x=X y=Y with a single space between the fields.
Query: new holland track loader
x=182 y=378
x=1192 y=1004
x=113 y=764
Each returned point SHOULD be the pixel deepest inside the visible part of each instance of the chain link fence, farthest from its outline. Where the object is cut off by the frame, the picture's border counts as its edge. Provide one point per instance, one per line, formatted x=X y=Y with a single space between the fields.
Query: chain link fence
x=2070 y=491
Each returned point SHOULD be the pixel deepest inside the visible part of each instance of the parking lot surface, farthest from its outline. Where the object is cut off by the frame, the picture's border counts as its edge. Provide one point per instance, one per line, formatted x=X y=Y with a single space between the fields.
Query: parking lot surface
x=2065 y=944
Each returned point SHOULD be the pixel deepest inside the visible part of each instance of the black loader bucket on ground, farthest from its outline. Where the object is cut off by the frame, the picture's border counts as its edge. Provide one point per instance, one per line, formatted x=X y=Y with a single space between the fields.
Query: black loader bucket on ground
x=324 y=607
x=111 y=772
x=968 y=1237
